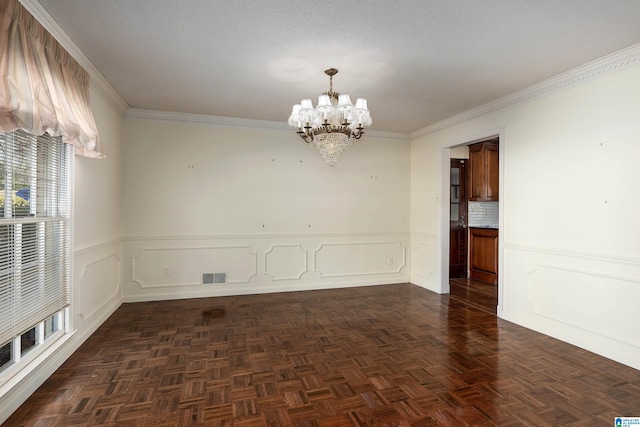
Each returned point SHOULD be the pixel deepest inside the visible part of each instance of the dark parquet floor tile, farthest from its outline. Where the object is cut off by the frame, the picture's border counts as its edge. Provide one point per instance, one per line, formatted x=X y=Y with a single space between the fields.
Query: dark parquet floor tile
x=480 y=295
x=394 y=355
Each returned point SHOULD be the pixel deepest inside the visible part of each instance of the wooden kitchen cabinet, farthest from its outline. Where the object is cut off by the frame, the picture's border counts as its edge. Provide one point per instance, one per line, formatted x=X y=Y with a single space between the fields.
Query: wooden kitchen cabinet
x=483 y=254
x=483 y=171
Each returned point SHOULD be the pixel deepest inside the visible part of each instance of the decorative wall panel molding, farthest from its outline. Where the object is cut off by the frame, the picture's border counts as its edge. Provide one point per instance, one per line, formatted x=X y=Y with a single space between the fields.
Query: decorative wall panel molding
x=172 y=268
x=422 y=255
x=286 y=262
x=590 y=256
x=184 y=266
x=558 y=293
x=425 y=267
x=99 y=281
x=89 y=249
x=359 y=259
x=288 y=237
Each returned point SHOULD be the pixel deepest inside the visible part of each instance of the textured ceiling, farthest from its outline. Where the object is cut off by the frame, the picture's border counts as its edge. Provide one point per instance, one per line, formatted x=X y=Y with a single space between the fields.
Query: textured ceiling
x=416 y=61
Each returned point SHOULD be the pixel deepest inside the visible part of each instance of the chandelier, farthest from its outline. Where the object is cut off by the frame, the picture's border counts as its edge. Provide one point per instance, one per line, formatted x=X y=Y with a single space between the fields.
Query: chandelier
x=333 y=124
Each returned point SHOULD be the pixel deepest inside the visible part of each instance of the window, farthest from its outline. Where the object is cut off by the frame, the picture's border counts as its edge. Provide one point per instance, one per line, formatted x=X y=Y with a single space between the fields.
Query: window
x=34 y=245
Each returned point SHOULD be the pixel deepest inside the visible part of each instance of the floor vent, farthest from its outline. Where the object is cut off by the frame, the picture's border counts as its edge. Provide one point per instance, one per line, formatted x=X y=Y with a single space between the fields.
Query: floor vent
x=211 y=278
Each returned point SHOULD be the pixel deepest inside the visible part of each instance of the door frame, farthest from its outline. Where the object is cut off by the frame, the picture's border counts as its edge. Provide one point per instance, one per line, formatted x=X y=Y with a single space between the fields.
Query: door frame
x=445 y=199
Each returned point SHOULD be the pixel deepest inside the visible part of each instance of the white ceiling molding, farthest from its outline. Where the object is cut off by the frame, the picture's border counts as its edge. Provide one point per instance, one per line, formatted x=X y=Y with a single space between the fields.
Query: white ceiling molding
x=615 y=62
x=98 y=82
x=203 y=119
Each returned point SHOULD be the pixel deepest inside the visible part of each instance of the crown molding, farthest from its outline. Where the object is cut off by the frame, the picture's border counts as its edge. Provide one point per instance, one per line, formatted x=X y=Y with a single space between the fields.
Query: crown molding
x=590 y=71
x=378 y=134
x=222 y=121
x=98 y=82
x=201 y=119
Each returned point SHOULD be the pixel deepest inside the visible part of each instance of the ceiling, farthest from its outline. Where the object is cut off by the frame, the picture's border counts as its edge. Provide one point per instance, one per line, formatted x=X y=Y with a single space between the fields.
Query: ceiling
x=416 y=61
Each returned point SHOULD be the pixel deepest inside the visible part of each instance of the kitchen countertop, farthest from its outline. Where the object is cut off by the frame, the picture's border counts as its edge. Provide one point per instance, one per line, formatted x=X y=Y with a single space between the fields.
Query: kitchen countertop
x=493 y=227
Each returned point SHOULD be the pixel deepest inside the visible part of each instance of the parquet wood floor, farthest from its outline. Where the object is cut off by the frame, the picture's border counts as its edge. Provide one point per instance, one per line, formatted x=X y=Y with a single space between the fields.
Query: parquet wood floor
x=394 y=355
x=481 y=295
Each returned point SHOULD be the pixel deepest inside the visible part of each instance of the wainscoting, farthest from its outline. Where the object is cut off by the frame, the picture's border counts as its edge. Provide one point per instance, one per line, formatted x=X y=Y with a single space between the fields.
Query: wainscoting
x=588 y=300
x=97 y=281
x=173 y=267
x=425 y=268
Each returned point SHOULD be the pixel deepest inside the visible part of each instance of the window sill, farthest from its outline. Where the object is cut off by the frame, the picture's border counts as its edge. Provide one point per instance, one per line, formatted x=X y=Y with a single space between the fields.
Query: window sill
x=23 y=373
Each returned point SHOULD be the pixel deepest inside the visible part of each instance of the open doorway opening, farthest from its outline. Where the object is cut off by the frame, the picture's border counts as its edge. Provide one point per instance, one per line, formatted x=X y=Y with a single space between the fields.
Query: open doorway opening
x=473 y=215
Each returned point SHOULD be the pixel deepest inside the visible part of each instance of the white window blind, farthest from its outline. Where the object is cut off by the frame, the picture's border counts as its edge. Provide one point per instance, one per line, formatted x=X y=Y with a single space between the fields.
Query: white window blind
x=34 y=230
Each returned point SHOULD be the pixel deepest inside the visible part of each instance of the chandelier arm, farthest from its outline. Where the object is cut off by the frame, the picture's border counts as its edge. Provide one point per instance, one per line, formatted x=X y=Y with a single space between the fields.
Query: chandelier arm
x=305 y=137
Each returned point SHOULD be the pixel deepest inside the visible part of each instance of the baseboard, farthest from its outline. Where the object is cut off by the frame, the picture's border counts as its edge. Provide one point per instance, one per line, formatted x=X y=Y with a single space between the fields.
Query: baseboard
x=225 y=290
x=580 y=338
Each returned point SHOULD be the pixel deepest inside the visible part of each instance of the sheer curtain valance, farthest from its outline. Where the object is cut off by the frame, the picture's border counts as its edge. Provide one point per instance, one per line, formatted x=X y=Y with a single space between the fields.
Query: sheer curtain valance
x=42 y=88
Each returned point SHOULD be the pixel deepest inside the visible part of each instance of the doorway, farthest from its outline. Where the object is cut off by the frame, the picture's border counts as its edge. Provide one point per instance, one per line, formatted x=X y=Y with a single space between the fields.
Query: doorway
x=462 y=214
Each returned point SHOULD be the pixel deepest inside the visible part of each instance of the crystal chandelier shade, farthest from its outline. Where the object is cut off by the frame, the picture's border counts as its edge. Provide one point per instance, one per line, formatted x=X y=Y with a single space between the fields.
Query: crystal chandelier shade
x=333 y=123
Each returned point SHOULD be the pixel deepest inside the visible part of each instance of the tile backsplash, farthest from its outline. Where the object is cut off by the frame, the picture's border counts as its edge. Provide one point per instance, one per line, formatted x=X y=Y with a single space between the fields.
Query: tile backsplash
x=483 y=214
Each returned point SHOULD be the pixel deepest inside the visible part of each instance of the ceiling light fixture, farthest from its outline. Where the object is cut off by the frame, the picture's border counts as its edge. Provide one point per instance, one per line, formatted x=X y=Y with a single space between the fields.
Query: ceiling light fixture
x=333 y=124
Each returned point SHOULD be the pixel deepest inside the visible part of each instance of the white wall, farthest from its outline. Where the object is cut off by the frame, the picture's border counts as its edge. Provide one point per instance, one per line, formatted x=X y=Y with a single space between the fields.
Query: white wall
x=97 y=219
x=259 y=204
x=97 y=251
x=570 y=246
